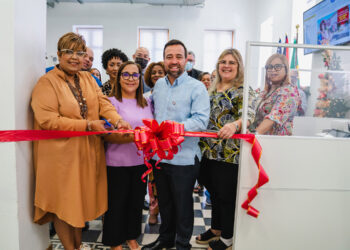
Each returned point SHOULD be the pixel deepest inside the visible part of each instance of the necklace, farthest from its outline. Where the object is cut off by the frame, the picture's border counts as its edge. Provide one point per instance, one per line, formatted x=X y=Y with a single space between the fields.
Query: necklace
x=78 y=94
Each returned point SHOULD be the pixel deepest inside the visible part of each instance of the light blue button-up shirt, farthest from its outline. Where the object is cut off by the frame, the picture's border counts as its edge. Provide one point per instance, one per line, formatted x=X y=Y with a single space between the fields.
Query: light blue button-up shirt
x=187 y=102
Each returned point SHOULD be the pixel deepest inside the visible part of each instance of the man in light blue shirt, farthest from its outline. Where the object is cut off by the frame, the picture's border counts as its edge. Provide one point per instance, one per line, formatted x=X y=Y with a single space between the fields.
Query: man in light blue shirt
x=181 y=98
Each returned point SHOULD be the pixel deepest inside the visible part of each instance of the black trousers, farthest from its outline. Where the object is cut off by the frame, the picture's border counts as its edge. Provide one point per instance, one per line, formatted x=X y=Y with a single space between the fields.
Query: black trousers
x=220 y=179
x=175 y=186
x=126 y=193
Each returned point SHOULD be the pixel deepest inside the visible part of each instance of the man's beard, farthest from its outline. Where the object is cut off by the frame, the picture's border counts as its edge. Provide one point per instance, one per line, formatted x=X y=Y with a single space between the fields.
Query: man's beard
x=175 y=74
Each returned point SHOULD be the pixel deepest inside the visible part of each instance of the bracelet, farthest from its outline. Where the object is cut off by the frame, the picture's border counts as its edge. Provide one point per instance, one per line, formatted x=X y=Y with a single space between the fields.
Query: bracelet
x=237 y=127
x=88 y=127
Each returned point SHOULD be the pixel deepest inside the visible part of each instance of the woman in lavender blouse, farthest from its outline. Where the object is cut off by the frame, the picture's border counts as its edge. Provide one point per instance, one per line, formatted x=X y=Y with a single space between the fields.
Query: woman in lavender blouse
x=125 y=164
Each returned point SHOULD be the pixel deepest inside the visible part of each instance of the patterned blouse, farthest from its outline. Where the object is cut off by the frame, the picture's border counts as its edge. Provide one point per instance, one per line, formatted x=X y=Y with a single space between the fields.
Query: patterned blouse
x=280 y=106
x=106 y=88
x=225 y=107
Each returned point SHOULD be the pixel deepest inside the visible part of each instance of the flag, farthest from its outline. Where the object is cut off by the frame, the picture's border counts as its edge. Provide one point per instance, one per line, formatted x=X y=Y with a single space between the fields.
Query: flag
x=295 y=65
x=279 y=49
x=285 y=49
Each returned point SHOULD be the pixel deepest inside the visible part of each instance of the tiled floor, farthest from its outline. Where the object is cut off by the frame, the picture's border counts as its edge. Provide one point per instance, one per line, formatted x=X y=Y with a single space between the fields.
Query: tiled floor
x=93 y=236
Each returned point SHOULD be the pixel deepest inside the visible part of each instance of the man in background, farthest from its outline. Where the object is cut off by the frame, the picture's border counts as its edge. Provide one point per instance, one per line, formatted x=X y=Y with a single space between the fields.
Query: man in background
x=87 y=64
x=88 y=60
x=141 y=57
x=191 y=61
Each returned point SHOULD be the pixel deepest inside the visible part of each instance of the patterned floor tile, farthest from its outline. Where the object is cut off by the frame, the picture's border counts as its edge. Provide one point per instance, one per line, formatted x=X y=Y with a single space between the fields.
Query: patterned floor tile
x=93 y=236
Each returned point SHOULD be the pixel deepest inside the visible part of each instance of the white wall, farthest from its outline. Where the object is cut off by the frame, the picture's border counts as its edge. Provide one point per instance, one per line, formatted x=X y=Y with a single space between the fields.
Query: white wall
x=22 y=63
x=120 y=22
x=305 y=203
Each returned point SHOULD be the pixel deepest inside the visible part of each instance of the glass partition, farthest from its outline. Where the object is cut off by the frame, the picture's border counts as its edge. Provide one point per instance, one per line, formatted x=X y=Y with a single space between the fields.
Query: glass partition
x=297 y=94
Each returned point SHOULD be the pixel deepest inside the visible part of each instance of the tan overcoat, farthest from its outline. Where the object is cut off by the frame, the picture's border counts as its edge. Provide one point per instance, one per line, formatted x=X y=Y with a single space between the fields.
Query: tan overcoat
x=70 y=173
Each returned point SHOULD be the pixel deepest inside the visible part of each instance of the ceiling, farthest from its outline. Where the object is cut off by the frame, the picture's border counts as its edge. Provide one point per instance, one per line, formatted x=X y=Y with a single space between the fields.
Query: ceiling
x=199 y=3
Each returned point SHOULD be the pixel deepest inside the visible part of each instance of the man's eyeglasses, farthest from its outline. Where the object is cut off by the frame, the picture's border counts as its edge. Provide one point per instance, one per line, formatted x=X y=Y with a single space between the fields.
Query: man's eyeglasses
x=134 y=76
x=276 y=67
x=70 y=52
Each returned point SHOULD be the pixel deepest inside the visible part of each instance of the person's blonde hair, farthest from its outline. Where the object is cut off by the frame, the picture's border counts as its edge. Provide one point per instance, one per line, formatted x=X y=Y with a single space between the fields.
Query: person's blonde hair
x=239 y=79
x=72 y=41
x=284 y=61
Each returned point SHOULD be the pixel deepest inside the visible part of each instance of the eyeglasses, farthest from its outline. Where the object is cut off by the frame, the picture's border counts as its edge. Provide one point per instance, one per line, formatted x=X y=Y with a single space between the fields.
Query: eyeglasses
x=70 y=52
x=127 y=75
x=229 y=62
x=277 y=67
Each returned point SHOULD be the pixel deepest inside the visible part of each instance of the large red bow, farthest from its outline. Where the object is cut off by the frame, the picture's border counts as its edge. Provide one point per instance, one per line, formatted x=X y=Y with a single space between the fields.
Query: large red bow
x=162 y=140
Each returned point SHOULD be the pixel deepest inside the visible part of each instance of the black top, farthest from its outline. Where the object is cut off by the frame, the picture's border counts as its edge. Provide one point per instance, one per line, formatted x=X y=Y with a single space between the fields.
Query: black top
x=194 y=73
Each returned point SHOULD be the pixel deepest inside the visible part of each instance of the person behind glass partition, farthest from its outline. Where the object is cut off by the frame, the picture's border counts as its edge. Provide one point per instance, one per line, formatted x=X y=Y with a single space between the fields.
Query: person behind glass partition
x=219 y=165
x=279 y=101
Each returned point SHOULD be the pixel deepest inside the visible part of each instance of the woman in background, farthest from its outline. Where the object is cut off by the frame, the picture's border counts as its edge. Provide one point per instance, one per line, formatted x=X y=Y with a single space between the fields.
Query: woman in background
x=96 y=73
x=111 y=61
x=219 y=166
x=153 y=72
x=70 y=173
x=278 y=103
x=205 y=78
x=125 y=164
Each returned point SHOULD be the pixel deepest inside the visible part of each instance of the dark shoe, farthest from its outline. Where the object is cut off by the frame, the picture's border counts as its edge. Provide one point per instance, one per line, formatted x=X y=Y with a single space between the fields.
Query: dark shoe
x=158 y=245
x=86 y=226
x=219 y=245
x=207 y=237
x=145 y=205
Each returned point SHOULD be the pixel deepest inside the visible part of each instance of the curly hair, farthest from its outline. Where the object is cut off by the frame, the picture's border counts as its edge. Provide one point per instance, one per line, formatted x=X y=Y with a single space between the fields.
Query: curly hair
x=148 y=73
x=111 y=53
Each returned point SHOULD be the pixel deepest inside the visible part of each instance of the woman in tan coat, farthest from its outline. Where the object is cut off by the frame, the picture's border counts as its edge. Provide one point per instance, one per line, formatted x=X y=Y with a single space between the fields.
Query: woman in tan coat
x=71 y=182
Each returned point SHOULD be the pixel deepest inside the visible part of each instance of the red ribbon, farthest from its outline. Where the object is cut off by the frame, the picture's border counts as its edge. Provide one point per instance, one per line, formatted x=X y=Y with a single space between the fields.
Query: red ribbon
x=152 y=139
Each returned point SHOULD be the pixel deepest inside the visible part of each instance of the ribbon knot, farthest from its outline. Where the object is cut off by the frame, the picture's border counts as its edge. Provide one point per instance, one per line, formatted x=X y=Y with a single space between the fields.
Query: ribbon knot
x=162 y=140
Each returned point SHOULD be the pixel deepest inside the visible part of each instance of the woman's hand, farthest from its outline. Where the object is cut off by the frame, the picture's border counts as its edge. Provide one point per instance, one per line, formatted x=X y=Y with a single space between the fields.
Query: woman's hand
x=121 y=124
x=228 y=130
x=97 y=125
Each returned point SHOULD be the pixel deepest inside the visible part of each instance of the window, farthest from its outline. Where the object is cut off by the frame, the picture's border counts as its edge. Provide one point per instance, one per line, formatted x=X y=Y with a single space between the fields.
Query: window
x=215 y=41
x=93 y=35
x=154 y=40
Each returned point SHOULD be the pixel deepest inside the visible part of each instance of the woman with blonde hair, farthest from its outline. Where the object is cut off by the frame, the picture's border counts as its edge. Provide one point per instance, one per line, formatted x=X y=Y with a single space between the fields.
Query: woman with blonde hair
x=219 y=166
x=278 y=103
x=70 y=173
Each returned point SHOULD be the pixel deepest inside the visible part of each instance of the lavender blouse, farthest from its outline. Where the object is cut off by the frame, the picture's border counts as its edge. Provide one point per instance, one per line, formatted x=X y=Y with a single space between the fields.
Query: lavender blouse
x=126 y=155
